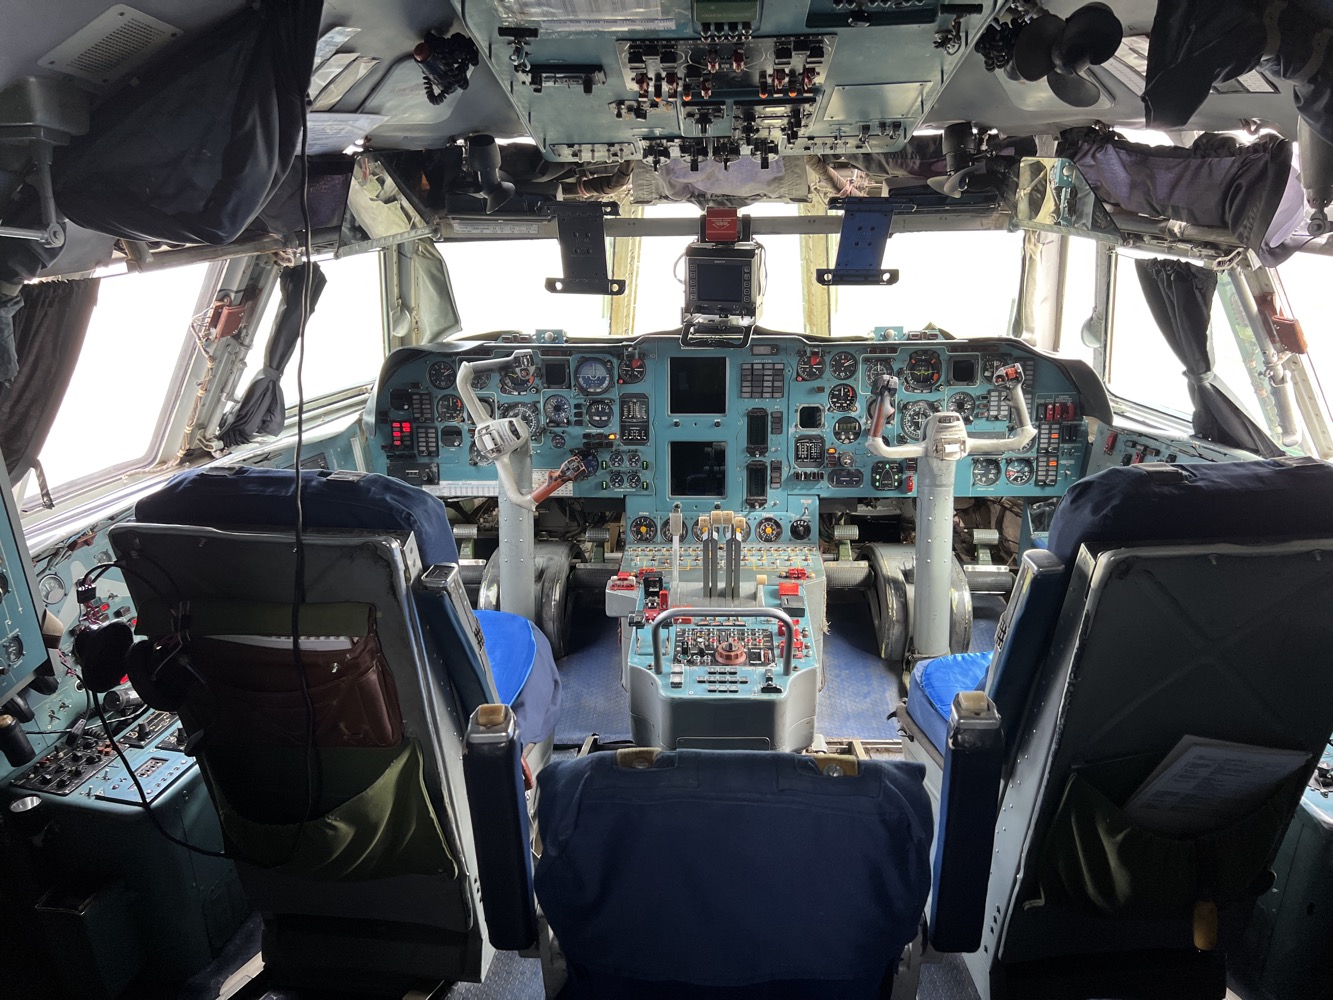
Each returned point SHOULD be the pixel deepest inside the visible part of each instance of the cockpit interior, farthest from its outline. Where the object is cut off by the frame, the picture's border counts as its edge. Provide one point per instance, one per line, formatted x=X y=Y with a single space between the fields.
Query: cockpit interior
x=517 y=499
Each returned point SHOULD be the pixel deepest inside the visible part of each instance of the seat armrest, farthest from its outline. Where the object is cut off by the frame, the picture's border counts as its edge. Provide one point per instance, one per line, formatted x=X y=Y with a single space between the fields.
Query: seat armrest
x=969 y=806
x=493 y=771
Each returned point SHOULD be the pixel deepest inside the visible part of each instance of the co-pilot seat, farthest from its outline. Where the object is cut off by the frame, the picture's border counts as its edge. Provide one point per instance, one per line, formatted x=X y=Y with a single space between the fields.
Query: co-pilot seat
x=1172 y=602
x=346 y=812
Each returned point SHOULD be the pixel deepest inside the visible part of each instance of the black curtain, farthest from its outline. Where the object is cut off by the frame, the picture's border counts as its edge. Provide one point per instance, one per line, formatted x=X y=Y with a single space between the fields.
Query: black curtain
x=47 y=322
x=1180 y=296
x=262 y=410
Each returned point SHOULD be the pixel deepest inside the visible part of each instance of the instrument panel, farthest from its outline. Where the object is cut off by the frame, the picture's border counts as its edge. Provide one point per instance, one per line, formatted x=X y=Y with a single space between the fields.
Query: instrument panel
x=740 y=429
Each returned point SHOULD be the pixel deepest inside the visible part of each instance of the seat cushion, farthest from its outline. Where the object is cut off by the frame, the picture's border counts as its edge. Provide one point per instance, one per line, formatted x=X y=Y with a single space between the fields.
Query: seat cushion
x=524 y=671
x=934 y=684
x=729 y=868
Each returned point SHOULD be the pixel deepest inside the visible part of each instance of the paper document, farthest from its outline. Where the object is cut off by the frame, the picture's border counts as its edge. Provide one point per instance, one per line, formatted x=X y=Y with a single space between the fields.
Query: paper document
x=1205 y=784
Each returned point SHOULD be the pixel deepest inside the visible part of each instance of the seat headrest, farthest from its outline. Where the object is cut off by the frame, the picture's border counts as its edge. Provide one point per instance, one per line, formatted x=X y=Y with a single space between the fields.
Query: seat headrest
x=241 y=496
x=1271 y=498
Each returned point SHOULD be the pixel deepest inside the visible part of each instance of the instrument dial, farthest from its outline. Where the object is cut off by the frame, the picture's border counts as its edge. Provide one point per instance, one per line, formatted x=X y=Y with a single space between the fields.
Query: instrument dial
x=876 y=370
x=617 y=480
x=600 y=412
x=487 y=407
x=964 y=404
x=52 y=590
x=557 y=440
x=635 y=481
x=634 y=459
x=593 y=376
x=843 y=366
x=520 y=382
x=985 y=471
x=643 y=529
x=923 y=371
x=448 y=409
x=809 y=366
x=616 y=459
x=442 y=374
x=800 y=529
x=1019 y=471
x=842 y=397
x=847 y=430
x=886 y=476
x=526 y=412
x=694 y=531
x=745 y=531
x=769 y=529
x=914 y=415
x=481 y=380
x=632 y=369
x=556 y=410
x=666 y=530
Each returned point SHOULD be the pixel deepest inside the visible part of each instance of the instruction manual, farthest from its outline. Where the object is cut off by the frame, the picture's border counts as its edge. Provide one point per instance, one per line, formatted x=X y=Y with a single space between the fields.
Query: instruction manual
x=1205 y=784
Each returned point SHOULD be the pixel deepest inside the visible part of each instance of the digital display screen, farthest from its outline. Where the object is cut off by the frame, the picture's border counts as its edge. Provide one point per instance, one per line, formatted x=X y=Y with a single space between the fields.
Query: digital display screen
x=719 y=281
x=963 y=371
x=699 y=385
x=698 y=468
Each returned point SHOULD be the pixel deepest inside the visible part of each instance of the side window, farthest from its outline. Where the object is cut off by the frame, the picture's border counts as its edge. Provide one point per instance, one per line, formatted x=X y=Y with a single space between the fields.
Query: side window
x=344 y=337
x=1080 y=295
x=1142 y=368
x=125 y=373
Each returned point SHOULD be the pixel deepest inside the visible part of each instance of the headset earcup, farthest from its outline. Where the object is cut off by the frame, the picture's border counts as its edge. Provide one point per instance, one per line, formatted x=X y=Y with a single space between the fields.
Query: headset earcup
x=101 y=654
x=160 y=685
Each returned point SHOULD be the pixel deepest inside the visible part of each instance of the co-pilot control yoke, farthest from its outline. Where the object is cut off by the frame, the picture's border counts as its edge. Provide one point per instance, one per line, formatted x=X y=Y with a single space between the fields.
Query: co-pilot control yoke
x=944 y=441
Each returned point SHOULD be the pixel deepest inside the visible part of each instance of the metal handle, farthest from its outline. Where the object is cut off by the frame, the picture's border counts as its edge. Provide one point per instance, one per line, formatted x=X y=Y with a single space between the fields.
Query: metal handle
x=776 y=613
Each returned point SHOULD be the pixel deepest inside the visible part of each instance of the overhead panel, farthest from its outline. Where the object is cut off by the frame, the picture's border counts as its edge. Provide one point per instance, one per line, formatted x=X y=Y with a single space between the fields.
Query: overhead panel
x=723 y=79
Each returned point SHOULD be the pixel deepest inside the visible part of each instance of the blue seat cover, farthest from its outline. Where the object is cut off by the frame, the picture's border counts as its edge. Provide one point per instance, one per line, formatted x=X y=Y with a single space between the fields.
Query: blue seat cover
x=934 y=684
x=522 y=666
x=1268 y=498
x=732 y=873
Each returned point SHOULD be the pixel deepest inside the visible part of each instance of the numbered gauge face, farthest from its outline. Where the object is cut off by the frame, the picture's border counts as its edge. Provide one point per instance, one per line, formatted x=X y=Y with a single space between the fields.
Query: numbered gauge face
x=809 y=366
x=51 y=588
x=843 y=365
x=842 y=398
x=481 y=380
x=593 y=376
x=914 y=416
x=876 y=370
x=769 y=529
x=526 y=412
x=448 y=409
x=964 y=405
x=487 y=407
x=634 y=459
x=616 y=459
x=985 y=471
x=1019 y=471
x=557 y=440
x=617 y=480
x=847 y=430
x=520 y=382
x=994 y=363
x=632 y=369
x=556 y=409
x=922 y=371
x=635 y=481
x=442 y=374
x=643 y=530
x=666 y=530
x=600 y=412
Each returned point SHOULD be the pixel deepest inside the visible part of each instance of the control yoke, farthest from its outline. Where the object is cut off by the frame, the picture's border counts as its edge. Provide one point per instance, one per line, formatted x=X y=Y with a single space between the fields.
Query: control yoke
x=944 y=441
x=950 y=440
x=498 y=439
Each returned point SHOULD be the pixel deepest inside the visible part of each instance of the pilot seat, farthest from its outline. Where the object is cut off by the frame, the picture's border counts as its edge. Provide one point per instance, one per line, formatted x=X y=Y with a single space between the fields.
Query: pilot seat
x=1173 y=606
x=339 y=788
